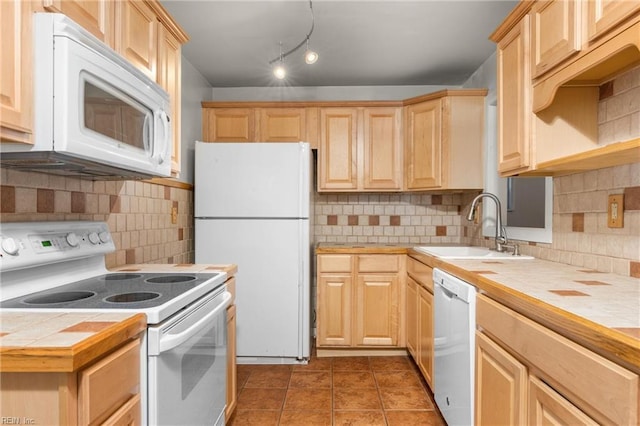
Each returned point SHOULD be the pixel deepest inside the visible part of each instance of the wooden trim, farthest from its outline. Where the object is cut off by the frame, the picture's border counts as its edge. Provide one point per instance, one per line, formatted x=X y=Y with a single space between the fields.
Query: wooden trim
x=298 y=104
x=444 y=93
x=71 y=358
x=615 y=154
x=325 y=352
x=170 y=182
x=167 y=21
x=511 y=20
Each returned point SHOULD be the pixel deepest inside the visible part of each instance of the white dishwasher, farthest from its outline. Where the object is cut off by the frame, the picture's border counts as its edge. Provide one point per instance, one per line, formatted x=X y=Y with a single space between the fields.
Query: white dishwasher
x=454 y=347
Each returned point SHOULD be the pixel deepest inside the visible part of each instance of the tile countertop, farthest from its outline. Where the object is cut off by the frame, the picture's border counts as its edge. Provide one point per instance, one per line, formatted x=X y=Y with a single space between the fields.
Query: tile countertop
x=600 y=311
x=177 y=267
x=61 y=342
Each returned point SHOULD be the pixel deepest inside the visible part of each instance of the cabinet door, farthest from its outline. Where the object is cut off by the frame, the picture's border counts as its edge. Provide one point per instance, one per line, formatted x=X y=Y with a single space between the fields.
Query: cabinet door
x=425 y=334
x=514 y=93
x=334 y=310
x=548 y=407
x=16 y=76
x=604 y=15
x=127 y=415
x=555 y=33
x=423 y=150
x=136 y=30
x=501 y=385
x=232 y=380
x=228 y=125
x=377 y=310
x=382 y=149
x=337 y=153
x=282 y=125
x=95 y=16
x=412 y=317
x=169 y=77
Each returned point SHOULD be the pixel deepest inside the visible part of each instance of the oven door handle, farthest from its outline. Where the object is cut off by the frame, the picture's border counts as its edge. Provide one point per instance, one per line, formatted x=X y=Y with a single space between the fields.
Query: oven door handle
x=174 y=340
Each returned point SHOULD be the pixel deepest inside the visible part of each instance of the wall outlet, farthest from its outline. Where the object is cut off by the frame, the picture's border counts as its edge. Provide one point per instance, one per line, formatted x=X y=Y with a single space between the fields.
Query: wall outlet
x=615 y=211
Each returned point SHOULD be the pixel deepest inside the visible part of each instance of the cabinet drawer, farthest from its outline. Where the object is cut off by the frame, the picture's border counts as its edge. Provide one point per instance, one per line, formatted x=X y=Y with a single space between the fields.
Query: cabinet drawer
x=109 y=383
x=128 y=414
x=420 y=272
x=604 y=390
x=378 y=263
x=334 y=263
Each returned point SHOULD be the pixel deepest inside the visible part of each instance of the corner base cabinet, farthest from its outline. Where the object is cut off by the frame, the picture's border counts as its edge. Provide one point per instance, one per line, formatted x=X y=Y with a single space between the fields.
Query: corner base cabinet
x=529 y=374
x=359 y=298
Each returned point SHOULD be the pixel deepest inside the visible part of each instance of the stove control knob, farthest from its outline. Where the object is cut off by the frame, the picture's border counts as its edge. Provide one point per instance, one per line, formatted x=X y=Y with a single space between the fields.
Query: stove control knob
x=93 y=238
x=104 y=237
x=10 y=246
x=72 y=239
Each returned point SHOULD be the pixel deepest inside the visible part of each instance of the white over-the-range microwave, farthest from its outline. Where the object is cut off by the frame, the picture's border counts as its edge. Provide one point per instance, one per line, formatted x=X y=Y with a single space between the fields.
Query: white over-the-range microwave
x=95 y=115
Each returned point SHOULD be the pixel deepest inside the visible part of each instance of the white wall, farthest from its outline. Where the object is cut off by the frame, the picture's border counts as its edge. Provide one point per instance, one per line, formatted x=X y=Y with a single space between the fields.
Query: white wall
x=195 y=89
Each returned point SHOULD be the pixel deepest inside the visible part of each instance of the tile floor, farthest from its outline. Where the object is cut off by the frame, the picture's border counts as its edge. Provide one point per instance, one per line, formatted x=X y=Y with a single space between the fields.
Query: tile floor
x=368 y=391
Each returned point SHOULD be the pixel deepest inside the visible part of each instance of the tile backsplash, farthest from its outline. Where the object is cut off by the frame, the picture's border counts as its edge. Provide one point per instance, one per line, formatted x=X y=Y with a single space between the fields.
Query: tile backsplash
x=138 y=212
x=387 y=218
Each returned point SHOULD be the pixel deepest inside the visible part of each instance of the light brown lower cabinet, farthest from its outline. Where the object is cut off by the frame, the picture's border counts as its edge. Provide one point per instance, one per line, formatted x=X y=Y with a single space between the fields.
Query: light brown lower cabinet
x=524 y=367
x=105 y=392
x=359 y=299
x=232 y=380
x=419 y=316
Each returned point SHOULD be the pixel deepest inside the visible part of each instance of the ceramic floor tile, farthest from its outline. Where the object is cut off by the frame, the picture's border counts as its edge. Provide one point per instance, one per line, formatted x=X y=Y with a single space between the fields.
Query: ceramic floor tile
x=356 y=399
x=310 y=379
x=358 y=418
x=315 y=364
x=390 y=363
x=351 y=363
x=405 y=399
x=397 y=379
x=255 y=418
x=414 y=418
x=353 y=379
x=268 y=379
x=308 y=399
x=261 y=399
x=305 y=418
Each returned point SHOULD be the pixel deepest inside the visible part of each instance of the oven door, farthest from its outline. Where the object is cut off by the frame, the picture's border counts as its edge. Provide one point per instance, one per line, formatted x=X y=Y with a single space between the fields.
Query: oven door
x=187 y=365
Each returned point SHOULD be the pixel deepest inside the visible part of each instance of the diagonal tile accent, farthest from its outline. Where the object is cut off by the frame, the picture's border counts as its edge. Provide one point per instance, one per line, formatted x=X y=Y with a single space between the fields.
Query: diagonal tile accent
x=568 y=292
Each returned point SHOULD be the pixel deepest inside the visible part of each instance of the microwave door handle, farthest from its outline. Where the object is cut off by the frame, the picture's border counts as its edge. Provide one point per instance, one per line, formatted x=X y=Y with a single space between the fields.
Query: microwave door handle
x=170 y=342
x=145 y=134
x=159 y=153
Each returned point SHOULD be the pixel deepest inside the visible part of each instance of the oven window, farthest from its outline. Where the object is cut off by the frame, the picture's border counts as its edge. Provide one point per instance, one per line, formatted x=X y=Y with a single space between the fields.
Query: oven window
x=115 y=115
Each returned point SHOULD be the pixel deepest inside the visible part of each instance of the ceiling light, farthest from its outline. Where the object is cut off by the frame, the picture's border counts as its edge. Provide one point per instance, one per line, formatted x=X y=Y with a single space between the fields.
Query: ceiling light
x=310 y=57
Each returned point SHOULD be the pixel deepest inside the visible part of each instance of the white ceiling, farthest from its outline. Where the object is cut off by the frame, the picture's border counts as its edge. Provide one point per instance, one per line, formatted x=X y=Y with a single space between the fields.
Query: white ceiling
x=360 y=43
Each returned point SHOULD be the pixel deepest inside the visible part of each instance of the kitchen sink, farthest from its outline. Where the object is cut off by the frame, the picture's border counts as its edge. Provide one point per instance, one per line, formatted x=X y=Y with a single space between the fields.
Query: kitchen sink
x=466 y=252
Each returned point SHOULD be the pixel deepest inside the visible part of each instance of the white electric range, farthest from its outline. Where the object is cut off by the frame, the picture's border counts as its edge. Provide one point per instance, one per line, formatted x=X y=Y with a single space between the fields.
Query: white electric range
x=60 y=267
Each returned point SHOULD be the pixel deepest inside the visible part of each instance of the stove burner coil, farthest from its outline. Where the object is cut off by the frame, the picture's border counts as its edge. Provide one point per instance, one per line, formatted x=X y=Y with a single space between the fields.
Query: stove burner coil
x=117 y=277
x=139 y=296
x=66 y=296
x=171 y=279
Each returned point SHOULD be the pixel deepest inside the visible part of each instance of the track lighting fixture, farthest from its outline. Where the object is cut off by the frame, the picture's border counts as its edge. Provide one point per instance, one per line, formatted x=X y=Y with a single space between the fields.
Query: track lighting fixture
x=310 y=56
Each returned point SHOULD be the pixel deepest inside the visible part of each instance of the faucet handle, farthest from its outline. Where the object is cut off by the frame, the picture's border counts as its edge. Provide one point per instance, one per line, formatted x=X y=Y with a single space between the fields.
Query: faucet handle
x=516 y=250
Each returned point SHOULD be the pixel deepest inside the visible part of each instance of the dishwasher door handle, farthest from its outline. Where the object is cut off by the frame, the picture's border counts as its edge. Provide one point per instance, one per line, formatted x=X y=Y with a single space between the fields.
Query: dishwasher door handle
x=446 y=291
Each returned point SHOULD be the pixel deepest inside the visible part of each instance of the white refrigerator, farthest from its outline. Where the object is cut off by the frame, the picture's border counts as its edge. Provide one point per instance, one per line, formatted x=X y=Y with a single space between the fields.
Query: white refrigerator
x=252 y=203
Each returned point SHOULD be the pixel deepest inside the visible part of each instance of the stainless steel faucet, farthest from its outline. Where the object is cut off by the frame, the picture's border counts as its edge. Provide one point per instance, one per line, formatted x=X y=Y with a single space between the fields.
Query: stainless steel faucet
x=502 y=244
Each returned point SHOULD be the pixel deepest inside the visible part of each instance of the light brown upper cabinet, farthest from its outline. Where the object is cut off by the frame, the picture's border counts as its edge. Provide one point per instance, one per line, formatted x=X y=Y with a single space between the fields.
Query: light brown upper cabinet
x=555 y=33
x=16 y=72
x=169 y=77
x=282 y=124
x=259 y=122
x=360 y=149
x=228 y=125
x=137 y=29
x=552 y=57
x=443 y=140
x=96 y=16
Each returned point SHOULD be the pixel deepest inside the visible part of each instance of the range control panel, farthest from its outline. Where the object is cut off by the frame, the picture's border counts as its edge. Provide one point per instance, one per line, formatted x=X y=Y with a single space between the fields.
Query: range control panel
x=28 y=244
